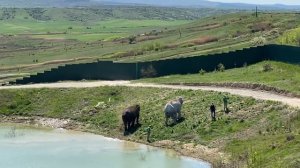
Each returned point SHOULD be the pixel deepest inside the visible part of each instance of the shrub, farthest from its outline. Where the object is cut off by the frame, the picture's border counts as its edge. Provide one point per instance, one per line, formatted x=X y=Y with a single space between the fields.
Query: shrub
x=257 y=41
x=148 y=72
x=221 y=67
x=263 y=26
x=291 y=37
x=202 y=72
x=132 y=39
x=267 y=67
x=290 y=137
x=152 y=47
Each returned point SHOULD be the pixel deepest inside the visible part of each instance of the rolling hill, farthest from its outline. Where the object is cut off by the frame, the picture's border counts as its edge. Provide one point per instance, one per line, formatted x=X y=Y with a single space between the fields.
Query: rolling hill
x=165 y=3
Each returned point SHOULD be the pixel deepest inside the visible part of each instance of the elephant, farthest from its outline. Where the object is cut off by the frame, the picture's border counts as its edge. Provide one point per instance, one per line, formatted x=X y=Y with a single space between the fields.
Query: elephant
x=173 y=110
x=131 y=115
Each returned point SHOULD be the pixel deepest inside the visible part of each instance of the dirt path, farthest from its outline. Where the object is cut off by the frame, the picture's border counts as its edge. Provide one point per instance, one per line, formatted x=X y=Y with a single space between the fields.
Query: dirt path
x=294 y=102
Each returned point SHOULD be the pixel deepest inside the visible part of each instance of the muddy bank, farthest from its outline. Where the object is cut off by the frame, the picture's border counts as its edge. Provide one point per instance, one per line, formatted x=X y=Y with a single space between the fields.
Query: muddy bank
x=211 y=155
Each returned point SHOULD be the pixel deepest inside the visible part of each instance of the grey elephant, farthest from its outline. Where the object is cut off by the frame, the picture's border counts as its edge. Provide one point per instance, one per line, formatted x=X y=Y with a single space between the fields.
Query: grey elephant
x=130 y=116
x=173 y=110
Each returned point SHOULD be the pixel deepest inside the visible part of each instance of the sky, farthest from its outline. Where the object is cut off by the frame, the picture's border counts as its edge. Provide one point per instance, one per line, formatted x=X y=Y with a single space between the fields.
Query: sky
x=286 y=2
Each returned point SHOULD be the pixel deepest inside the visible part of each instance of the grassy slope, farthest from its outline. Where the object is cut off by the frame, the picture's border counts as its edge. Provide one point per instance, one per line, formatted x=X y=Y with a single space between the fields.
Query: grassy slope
x=247 y=133
x=45 y=40
x=283 y=76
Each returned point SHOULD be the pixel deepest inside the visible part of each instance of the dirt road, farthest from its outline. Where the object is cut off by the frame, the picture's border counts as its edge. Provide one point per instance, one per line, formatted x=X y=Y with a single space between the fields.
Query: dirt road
x=294 y=102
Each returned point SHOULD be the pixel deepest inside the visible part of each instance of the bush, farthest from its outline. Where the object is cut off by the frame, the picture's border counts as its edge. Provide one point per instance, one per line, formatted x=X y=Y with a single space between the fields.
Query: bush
x=263 y=26
x=221 y=67
x=148 y=72
x=132 y=39
x=202 y=72
x=291 y=37
x=267 y=67
x=290 y=137
x=257 y=41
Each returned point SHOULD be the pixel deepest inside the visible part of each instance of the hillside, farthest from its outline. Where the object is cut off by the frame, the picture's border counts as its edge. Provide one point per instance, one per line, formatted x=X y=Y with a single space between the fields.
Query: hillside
x=36 y=39
x=166 y=3
x=93 y=14
x=283 y=76
x=254 y=133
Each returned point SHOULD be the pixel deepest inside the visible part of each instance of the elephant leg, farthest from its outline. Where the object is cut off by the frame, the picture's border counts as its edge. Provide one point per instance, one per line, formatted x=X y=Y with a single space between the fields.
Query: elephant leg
x=125 y=125
x=128 y=125
x=174 y=120
x=179 y=115
x=166 y=122
x=132 y=123
x=137 y=120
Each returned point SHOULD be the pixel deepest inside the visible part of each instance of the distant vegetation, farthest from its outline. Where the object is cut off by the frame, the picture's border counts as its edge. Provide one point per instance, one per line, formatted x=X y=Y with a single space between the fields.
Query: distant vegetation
x=112 y=12
x=8 y=13
x=37 y=14
x=291 y=37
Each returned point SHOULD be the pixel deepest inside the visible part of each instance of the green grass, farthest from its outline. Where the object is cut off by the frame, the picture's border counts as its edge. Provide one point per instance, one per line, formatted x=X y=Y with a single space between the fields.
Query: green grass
x=47 y=37
x=283 y=76
x=291 y=37
x=267 y=151
x=101 y=29
x=265 y=122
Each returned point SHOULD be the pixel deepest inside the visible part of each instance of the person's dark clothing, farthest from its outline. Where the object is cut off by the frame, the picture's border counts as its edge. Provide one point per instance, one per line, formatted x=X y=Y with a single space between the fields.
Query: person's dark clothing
x=225 y=101
x=213 y=112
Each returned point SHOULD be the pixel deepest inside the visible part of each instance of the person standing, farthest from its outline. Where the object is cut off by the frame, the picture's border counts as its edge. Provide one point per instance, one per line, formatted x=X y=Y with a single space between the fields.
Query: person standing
x=225 y=101
x=148 y=130
x=213 y=112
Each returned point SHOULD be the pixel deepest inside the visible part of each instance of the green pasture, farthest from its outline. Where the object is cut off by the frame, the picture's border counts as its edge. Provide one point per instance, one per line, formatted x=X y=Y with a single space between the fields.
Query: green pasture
x=64 y=34
x=253 y=134
x=281 y=75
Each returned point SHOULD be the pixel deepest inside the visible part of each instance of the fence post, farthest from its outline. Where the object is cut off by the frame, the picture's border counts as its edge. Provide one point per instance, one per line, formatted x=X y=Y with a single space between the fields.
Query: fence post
x=136 y=70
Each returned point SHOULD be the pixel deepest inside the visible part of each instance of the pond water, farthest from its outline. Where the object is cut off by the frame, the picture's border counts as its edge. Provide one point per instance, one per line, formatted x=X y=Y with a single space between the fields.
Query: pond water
x=39 y=148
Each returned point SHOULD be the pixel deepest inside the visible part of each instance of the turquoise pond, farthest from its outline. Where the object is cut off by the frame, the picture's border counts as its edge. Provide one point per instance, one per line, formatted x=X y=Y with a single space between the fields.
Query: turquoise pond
x=44 y=148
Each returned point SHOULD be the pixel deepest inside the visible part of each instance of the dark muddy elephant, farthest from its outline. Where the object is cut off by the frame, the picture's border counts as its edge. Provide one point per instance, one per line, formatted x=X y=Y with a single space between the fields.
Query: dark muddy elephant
x=130 y=116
